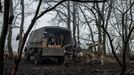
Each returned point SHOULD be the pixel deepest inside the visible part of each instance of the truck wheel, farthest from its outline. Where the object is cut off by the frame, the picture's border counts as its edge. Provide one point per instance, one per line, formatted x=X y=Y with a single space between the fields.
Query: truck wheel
x=67 y=58
x=37 y=59
x=61 y=60
x=27 y=57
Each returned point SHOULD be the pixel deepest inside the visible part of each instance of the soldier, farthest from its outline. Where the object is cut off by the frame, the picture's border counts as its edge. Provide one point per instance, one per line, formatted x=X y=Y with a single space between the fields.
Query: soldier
x=61 y=38
x=44 y=40
x=53 y=40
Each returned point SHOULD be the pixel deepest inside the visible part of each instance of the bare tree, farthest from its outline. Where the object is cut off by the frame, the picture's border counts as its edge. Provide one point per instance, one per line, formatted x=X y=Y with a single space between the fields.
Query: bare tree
x=78 y=29
x=22 y=25
x=9 y=39
x=74 y=21
x=125 y=38
x=4 y=33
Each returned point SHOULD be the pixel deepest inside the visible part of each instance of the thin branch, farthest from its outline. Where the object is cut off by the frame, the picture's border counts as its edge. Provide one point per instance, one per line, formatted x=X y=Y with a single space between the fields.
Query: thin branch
x=49 y=9
x=129 y=8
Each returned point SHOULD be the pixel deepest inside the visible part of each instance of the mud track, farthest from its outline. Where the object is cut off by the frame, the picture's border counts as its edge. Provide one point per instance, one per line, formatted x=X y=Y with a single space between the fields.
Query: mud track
x=52 y=68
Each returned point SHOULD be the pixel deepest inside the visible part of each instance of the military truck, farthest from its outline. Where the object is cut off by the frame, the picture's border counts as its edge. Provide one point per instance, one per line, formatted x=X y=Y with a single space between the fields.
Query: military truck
x=49 y=42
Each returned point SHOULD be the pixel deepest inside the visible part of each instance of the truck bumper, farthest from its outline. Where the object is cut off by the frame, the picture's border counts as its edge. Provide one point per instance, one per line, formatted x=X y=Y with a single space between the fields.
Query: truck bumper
x=53 y=52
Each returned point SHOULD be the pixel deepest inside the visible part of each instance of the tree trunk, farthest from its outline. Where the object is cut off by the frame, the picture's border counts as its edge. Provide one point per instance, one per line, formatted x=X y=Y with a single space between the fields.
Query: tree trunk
x=9 y=42
x=22 y=24
x=74 y=22
x=9 y=39
x=78 y=31
x=69 y=16
x=3 y=34
x=106 y=25
x=99 y=35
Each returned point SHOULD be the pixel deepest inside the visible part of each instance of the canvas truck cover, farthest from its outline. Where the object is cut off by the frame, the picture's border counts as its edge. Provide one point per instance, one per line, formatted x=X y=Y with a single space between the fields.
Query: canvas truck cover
x=37 y=35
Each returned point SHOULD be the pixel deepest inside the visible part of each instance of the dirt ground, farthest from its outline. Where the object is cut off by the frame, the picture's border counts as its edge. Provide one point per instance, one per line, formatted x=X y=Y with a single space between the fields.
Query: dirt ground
x=79 y=68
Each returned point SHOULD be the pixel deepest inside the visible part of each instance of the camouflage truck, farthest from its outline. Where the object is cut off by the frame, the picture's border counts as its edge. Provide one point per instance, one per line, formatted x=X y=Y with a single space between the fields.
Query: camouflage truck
x=49 y=42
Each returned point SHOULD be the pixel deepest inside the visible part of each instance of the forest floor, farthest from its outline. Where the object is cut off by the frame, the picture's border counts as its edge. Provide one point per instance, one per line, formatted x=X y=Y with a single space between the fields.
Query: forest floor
x=79 y=68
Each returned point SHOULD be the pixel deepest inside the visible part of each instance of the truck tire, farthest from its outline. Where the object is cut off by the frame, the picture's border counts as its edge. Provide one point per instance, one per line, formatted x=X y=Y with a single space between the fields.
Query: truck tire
x=61 y=59
x=27 y=56
x=37 y=59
